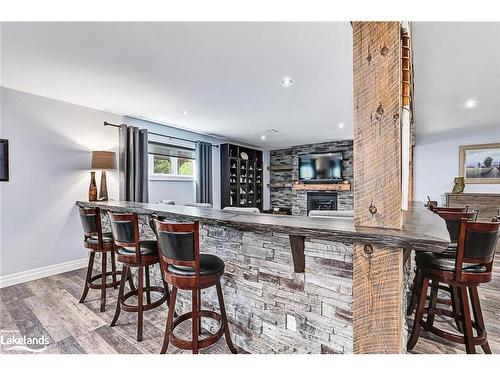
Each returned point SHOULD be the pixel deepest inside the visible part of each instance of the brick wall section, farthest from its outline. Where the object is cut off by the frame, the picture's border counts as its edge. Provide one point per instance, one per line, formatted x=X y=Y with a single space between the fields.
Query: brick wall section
x=297 y=200
x=271 y=309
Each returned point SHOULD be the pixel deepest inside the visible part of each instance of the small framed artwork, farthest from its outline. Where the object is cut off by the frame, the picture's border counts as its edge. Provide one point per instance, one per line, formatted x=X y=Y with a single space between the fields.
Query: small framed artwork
x=4 y=160
x=480 y=164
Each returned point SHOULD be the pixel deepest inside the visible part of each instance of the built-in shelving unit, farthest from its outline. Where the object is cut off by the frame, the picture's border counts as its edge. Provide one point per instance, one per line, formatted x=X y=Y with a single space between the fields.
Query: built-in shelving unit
x=241 y=176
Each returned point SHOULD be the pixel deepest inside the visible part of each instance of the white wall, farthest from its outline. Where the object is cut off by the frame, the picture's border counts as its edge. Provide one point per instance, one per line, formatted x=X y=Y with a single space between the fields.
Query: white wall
x=49 y=144
x=437 y=162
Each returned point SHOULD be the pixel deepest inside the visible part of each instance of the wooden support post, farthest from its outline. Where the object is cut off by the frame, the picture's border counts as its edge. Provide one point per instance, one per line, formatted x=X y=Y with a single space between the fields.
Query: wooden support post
x=378 y=271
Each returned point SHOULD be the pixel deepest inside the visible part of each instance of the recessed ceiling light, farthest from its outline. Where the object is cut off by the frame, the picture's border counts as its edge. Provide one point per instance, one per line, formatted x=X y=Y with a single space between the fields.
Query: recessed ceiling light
x=471 y=103
x=341 y=125
x=185 y=112
x=263 y=137
x=272 y=131
x=286 y=82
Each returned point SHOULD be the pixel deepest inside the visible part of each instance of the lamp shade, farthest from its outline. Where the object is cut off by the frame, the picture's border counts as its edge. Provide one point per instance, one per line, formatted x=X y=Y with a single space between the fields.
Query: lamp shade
x=103 y=160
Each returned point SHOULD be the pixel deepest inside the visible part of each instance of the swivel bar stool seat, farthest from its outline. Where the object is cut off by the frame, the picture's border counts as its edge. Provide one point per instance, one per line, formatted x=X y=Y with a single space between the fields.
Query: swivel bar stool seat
x=140 y=254
x=97 y=242
x=471 y=266
x=185 y=268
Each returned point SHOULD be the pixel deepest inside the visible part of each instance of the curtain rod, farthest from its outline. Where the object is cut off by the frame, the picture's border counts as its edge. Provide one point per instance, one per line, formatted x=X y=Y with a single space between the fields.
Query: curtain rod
x=161 y=135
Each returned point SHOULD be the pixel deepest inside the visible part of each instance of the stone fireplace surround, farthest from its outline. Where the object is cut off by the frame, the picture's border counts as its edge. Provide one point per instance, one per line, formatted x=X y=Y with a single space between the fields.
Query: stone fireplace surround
x=296 y=200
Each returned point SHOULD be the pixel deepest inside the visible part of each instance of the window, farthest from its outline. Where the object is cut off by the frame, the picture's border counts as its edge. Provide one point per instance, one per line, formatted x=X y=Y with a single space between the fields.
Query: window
x=171 y=162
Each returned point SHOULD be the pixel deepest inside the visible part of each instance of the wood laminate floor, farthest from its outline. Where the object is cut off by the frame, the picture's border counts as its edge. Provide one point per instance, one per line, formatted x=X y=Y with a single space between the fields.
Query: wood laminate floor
x=49 y=308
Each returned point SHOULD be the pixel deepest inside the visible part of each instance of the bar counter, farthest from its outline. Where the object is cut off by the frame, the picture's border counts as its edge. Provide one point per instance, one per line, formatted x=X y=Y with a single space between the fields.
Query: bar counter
x=288 y=281
x=423 y=230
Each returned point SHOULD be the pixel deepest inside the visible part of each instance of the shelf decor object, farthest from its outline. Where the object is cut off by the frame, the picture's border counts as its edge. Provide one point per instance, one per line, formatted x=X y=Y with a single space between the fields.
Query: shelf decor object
x=103 y=160
x=4 y=160
x=241 y=176
x=459 y=185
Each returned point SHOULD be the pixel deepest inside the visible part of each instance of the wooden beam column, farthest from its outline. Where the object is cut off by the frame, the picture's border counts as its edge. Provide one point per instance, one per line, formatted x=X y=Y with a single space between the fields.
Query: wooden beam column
x=378 y=271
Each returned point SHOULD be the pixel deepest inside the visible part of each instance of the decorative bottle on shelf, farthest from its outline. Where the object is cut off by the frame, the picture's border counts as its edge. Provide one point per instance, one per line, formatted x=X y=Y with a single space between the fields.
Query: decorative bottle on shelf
x=92 y=188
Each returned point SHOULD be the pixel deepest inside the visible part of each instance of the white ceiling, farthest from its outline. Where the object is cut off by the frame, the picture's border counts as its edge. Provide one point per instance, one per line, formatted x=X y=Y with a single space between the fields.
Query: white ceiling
x=227 y=75
x=456 y=62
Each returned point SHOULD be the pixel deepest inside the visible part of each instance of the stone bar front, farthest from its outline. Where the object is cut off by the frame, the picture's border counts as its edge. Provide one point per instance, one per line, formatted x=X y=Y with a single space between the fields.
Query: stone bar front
x=271 y=307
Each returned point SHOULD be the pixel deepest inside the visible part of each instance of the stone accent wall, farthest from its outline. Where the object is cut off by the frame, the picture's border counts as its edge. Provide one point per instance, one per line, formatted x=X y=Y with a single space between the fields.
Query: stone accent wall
x=294 y=200
x=270 y=308
x=282 y=196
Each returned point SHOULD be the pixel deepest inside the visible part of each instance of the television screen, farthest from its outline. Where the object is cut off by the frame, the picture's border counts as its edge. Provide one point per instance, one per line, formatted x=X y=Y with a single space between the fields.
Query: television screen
x=320 y=167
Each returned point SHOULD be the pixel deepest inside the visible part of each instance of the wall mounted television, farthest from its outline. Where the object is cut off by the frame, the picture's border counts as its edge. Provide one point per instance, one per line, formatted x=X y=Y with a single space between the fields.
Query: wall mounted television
x=326 y=167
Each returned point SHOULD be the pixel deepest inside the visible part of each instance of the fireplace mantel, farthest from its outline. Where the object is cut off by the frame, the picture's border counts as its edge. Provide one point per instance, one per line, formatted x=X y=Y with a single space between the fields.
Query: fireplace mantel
x=321 y=187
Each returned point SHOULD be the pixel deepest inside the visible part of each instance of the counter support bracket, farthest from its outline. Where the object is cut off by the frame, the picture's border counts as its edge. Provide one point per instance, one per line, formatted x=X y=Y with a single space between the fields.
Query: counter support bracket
x=297 y=244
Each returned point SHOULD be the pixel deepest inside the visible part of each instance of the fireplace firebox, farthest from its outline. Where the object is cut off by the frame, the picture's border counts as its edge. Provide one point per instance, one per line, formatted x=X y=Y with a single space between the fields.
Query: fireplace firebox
x=321 y=201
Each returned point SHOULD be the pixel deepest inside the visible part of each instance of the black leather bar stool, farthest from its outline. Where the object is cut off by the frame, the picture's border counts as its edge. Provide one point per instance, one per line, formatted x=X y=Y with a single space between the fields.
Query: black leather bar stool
x=452 y=219
x=472 y=266
x=97 y=242
x=184 y=267
x=140 y=254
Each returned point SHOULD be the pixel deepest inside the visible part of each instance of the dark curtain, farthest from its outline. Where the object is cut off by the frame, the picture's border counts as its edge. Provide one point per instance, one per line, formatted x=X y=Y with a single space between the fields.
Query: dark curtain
x=204 y=172
x=133 y=164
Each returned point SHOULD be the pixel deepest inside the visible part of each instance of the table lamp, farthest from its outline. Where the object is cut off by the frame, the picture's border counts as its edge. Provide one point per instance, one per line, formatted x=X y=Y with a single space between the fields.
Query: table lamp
x=103 y=160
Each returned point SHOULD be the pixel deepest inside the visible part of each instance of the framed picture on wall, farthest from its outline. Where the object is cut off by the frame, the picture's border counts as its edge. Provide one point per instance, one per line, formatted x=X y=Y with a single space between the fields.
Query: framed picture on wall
x=480 y=164
x=4 y=160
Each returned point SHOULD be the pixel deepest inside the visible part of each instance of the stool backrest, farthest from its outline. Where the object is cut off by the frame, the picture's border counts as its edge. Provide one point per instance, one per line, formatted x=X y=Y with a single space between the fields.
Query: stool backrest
x=477 y=244
x=125 y=228
x=453 y=219
x=91 y=223
x=89 y=218
x=178 y=244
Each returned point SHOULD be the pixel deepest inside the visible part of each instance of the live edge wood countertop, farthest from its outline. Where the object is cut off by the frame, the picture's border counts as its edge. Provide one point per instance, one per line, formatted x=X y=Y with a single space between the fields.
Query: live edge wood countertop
x=423 y=230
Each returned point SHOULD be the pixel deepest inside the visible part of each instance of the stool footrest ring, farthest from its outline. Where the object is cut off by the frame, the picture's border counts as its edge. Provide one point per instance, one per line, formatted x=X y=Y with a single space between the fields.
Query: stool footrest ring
x=92 y=285
x=203 y=343
x=146 y=307
x=480 y=339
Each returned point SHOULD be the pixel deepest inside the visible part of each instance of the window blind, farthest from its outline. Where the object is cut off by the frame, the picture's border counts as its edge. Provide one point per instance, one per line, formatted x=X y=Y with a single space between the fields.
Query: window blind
x=163 y=149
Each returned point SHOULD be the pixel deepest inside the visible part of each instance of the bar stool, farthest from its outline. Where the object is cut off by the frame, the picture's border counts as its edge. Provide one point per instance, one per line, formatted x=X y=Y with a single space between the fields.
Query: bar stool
x=132 y=252
x=185 y=268
x=452 y=219
x=472 y=266
x=97 y=242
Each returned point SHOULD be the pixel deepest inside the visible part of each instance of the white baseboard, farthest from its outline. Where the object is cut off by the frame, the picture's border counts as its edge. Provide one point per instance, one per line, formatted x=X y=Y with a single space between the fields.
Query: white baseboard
x=38 y=273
